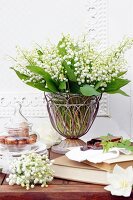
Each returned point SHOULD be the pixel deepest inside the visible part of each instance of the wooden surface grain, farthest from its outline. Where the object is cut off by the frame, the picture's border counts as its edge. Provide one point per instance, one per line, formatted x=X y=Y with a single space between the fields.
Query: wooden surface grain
x=58 y=189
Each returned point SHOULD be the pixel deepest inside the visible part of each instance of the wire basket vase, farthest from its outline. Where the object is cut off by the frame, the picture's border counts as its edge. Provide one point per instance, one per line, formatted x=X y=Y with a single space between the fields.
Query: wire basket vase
x=71 y=115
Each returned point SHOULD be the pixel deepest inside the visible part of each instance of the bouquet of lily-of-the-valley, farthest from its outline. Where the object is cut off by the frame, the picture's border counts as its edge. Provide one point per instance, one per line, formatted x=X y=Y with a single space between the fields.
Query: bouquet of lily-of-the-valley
x=73 y=74
x=74 y=66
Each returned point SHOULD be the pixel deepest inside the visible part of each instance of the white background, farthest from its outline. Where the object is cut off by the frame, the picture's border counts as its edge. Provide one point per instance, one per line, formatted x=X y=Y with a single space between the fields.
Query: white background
x=26 y=21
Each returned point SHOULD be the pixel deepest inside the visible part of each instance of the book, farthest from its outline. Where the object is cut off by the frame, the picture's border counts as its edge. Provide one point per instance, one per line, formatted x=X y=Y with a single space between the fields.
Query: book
x=76 y=171
x=123 y=161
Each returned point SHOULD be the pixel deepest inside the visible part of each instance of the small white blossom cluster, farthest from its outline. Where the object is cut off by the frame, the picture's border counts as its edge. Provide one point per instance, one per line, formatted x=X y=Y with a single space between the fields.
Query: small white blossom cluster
x=25 y=58
x=89 y=65
x=29 y=170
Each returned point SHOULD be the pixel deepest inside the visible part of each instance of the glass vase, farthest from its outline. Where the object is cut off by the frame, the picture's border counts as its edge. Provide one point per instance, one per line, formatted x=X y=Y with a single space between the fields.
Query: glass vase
x=72 y=116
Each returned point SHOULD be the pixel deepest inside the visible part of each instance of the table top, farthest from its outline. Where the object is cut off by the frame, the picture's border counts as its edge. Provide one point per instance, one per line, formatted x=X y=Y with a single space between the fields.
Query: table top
x=58 y=189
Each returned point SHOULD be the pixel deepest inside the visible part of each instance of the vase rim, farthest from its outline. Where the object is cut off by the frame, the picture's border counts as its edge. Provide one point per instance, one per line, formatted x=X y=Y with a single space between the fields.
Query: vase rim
x=73 y=94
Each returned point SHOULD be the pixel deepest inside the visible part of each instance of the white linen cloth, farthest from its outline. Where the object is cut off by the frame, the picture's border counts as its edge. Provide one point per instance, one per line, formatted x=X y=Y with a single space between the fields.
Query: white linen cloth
x=5 y=161
x=95 y=156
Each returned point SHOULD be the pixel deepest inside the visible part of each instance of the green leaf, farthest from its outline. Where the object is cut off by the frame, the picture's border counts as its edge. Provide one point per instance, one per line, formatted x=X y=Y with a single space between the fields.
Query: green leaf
x=116 y=84
x=130 y=148
x=38 y=70
x=119 y=92
x=123 y=143
x=98 y=85
x=127 y=142
x=120 y=145
x=62 y=85
x=51 y=86
x=40 y=86
x=61 y=50
x=70 y=73
x=74 y=88
x=40 y=53
x=87 y=90
x=90 y=65
x=21 y=76
x=121 y=73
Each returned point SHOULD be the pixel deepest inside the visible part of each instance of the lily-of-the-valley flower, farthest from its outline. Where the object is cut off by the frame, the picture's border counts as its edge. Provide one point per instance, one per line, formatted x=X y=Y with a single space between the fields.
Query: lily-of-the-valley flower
x=120 y=181
x=29 y=170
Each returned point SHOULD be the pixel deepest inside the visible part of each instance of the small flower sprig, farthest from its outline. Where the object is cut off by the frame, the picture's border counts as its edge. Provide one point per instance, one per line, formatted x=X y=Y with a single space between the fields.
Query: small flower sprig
x=29 y=170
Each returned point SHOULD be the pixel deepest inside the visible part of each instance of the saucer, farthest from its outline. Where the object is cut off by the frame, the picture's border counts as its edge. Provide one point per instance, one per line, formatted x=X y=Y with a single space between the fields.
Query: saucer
x=38 y=147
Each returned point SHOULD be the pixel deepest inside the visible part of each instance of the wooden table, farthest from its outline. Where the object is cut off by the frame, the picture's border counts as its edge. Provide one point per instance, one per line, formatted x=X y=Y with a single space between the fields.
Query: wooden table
x=58 y=190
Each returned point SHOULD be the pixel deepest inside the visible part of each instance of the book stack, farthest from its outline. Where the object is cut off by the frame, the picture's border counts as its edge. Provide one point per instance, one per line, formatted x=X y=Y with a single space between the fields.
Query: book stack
x=86 y=171
x=123 y=161
x=77 y=171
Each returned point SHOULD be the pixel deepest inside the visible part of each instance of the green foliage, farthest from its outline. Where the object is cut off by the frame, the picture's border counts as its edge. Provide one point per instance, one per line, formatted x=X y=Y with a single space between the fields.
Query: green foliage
x=119 y=92
x=98 y=84
x=116 y=84
x=23 y=77
x=121 y=73
x=70 y=73
x=123 y=143
x=40 y=53
x=50 y=83
x=40 y=71
x=74 y=66
x=40 y=86
x=61 y=50
x=87 y=90
x=75 y=88
x=62 y=85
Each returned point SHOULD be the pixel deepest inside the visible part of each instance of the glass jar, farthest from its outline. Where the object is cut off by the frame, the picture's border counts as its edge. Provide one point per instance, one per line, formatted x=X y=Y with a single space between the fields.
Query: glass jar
x=18 y=135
